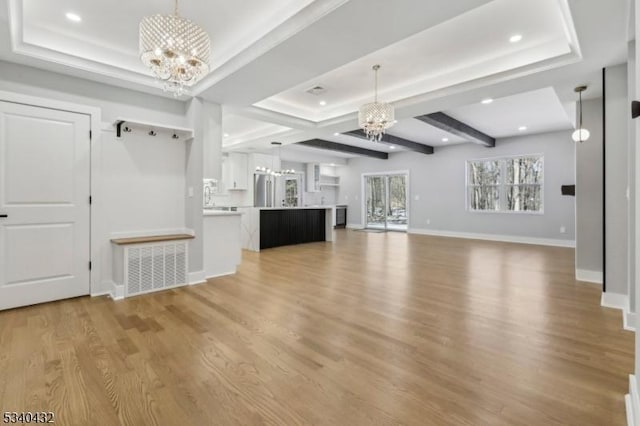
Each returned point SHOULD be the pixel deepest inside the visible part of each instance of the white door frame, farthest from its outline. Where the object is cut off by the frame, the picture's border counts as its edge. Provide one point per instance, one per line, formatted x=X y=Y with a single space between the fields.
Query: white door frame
x=363 y=194
x=96 y=231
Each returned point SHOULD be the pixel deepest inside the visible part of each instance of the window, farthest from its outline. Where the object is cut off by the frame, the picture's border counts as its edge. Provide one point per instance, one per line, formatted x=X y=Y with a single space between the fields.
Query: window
x=512 y=184
x=291 y=191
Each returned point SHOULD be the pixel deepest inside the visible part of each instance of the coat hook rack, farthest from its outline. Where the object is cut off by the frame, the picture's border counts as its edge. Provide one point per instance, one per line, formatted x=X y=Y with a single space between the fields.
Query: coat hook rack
x=125 y=125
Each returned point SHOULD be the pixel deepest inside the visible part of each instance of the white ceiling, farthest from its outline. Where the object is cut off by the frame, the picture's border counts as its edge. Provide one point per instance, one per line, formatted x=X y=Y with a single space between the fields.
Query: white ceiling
x=105 y=42
x=418 y=131
x=307 y=154
x=539 y=111
x=232 y=26
x=470 y=46
x=434 y=64
x=236 y=129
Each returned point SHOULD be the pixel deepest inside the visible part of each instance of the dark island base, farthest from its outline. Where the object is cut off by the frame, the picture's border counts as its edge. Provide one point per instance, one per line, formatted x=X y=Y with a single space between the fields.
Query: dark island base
x=288 y=227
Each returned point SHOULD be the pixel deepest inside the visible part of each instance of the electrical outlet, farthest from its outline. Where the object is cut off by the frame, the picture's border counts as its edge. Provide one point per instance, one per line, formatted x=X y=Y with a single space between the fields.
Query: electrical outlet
x=563 y=230
x=190 y=191
x=428 y=221
x=417 y=198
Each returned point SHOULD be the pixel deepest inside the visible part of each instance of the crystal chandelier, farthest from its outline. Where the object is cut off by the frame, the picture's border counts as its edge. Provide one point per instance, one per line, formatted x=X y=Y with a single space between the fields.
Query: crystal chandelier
x=376 y=117
x=175 y=49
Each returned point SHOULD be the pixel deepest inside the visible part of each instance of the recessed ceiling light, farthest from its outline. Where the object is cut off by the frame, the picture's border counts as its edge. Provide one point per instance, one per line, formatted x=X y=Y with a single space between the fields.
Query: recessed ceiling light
x=522 y=128
x=332 y=164
x=445 y=139
x=323 y=103
x=392 y=147
x=487 y=101
x=336 y=134
x=226 y=135
x=515 y=38
x=73 y=17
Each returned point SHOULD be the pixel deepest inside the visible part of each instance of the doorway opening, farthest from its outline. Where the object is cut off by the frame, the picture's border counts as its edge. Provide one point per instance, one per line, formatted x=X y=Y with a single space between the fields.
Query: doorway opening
x=386 y=206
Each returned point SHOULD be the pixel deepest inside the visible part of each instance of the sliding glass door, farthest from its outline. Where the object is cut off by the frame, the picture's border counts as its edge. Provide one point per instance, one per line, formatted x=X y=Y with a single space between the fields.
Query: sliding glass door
x=386 y=202
x=376 y=189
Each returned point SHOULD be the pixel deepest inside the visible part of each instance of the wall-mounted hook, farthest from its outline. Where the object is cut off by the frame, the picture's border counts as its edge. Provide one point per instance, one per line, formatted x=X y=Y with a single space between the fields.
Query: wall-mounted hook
x=152 y=133
x=175 y=136
x=127 y=129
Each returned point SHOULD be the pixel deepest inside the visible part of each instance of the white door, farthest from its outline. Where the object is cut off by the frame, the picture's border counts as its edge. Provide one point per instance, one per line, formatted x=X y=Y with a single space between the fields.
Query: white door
x=44 y=205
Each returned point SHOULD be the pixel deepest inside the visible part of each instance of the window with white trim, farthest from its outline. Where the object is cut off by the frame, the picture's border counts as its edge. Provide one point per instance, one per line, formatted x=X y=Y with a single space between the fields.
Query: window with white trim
x=510 y=184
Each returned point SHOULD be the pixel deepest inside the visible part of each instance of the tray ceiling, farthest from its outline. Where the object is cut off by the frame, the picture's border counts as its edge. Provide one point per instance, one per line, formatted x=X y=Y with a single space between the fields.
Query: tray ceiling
x=466 y=48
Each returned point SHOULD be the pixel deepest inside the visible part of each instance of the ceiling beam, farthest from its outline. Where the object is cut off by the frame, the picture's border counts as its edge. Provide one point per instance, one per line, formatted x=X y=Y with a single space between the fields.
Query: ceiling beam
x=339 y=147
x=395 y=140
x=449 y=124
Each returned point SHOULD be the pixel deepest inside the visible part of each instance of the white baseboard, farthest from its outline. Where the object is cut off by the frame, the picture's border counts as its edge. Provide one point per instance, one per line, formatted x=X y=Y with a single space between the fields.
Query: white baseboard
x=494 y=237
x=354 y=226
x=111 y=289
x=629 y=321
x=223 y=274
x=632 y=403
x=117 y=291
x=615 y=300
x=197 y=277
x=589 y=276
x=620 y=301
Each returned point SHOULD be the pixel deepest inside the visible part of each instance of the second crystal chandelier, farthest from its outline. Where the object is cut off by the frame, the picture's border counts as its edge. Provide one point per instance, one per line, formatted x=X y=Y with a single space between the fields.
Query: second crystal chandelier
x=376 y=117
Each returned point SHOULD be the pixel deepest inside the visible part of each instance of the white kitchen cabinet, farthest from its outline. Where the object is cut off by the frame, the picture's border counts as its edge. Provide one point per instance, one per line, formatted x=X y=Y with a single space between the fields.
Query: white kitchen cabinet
x=235 y=172
x=313 y=177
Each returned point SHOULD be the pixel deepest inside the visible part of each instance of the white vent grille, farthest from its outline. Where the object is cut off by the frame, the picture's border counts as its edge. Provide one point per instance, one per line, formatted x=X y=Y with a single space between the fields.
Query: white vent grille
x=155 y=267
x=316 y=90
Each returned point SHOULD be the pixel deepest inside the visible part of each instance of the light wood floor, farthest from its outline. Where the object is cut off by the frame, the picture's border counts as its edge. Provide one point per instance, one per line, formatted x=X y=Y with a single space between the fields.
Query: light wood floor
x=373 y=329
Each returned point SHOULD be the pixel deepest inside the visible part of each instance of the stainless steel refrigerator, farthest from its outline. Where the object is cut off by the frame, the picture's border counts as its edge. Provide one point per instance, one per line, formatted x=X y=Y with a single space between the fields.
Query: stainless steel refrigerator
x=264 y=190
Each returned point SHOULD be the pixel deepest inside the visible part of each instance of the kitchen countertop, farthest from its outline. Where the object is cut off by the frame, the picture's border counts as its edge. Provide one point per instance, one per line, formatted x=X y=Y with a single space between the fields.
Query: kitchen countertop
x=220 y=213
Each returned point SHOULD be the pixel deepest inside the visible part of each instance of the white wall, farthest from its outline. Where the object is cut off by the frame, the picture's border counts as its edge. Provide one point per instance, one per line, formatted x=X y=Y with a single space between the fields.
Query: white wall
x=589 y=195
x=144 y=180
x=438 y=181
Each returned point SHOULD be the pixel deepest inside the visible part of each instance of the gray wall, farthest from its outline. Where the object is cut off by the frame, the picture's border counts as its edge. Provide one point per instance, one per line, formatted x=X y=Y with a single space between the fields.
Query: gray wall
x=438 y=182
x=589 y=191
x=617 y=175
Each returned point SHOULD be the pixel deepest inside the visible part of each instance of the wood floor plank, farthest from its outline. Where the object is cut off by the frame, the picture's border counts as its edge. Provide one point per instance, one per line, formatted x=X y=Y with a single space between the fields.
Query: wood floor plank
x=370 y=329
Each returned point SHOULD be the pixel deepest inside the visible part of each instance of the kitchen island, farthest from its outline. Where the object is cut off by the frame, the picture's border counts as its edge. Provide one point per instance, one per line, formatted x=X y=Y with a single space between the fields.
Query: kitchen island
x=267 y=227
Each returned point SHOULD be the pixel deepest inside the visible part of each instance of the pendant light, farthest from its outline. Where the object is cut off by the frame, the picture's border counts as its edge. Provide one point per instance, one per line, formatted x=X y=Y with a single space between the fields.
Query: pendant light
x=376 y=117
x=581 y=134
x=272 y=171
